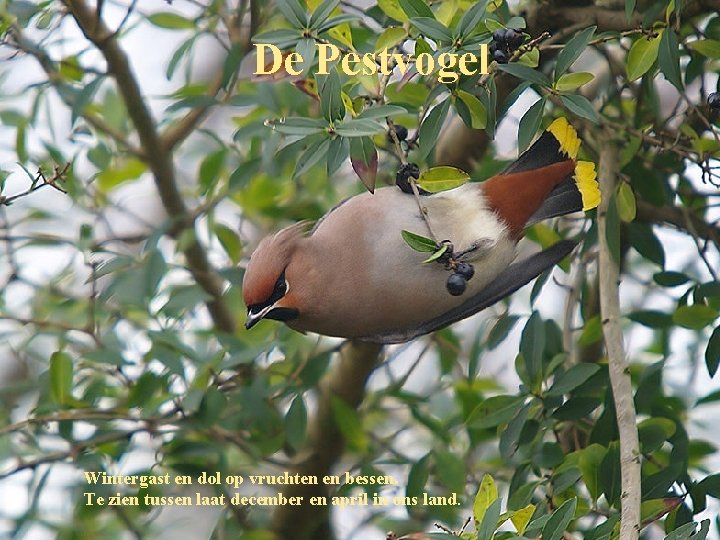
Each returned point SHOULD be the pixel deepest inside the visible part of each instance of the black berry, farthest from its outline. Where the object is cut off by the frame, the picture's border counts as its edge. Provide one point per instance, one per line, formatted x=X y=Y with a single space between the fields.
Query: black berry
x=493 y=47
x=465 y=270
x=714 y=100
x=499 y=35
x=402 y=178
x=515 y=39
x=447 y=255
x=500 y=57
x=401 y=132
x=456 y=284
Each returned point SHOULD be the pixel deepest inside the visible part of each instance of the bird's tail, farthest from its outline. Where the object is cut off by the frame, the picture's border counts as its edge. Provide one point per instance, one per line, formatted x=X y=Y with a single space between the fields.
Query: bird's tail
x=545 y=181
x=576 y=192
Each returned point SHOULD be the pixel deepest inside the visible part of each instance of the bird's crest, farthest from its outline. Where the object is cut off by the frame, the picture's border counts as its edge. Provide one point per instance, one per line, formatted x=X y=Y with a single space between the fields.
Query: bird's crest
x=269 y=261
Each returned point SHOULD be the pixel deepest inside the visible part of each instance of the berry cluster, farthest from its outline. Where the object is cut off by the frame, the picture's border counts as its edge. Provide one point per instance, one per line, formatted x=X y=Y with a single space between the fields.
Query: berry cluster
x=714 y=100
x=462 y=272
x=505 y=42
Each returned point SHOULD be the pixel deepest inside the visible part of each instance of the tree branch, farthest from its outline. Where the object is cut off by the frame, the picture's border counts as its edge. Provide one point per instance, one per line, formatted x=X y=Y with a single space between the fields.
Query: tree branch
x=326 y=444
x=619 y=377
x=159 y=158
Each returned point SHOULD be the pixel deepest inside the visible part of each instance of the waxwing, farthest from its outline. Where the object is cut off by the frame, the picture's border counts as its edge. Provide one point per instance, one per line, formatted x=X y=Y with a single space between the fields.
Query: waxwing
x=353 y=275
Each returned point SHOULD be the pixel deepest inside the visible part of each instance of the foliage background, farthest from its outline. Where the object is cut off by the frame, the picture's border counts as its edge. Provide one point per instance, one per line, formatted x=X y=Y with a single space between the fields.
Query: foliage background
x=133 y=136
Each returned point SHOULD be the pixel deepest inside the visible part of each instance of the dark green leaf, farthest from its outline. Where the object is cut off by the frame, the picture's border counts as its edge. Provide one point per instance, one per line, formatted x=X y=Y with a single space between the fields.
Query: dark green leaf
x=349 y=423
x=529 y=124
x=294 y=12
x=296 y=423
x=652 y=318
x=494 y=411
x=653 y=432
x=489 y=523
x=416 y=8
x=430 y=27
x=610 y=475
x=298 y=126
x=360 y=127
x=382 y=111
x=500 y=330
x=669 y=58
x=712 y=352
x=419 y=243
x=643 y=239
x=471 y=18
x=580 y=106
x=430 y=128
x=570 y=52
x=525 y=73
x=572 y=378
x=670 y=279
x=629 y=8
x=331 y=102
x=532 y=346
x=322 y=12
x=555 y=527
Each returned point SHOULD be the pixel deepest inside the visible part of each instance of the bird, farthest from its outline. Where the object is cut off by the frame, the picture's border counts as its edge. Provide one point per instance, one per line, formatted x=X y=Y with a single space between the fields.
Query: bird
x=353 y=275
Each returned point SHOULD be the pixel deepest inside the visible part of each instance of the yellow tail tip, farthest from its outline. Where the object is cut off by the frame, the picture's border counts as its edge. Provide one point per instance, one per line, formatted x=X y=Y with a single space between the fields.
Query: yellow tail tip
x=566 y=136
x=586 y=181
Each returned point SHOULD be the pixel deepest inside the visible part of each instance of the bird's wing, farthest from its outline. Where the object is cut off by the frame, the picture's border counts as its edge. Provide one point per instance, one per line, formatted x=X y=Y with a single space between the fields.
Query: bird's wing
x=517 y=275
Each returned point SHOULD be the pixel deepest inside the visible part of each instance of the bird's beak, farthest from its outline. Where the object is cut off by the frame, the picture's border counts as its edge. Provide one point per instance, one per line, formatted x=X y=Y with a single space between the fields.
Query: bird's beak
x=255 y=317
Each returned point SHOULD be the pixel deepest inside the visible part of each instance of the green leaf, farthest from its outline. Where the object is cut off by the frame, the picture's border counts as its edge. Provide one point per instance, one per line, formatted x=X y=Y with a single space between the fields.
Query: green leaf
x=337 y=153
x=442 y=179
x=641 y=57
x=364 y=160
x=170 y=20
x=670 y=279
x=694 y=317
x=230 y=242
x=61 y=377
x=653 y=432
x=572 y=51
x=652 y=318
x=572 y=378
x=706 y=47
x=590 y=459
x=382 y=111
x=419 y=243
x=296 y=423
x=311 y=156
x=435 y=256
x=392 y=9
x=430 y=27
x=471 y=19
x=560 y=519
x=486 y=494
x=475 y=108
x=626 y=202
x=450 y=470
x=500 y=330
x=298 y=126
x=210 y=169
x=573 y=81
x=490 y=522
x=532 y=346
x=712 y=352
x=581 y=106
x=349 y=423
x=416 y=8
x=322 y=12
x=494 y=411
x=430 y=128
x=530 y=123
x=360 y=127
x=629 y=8
x=331 y=101
x=669 y=58
x=294 y=12
x=525 y=73
x=643 y=239
x=123 y=171
x=390 y=37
